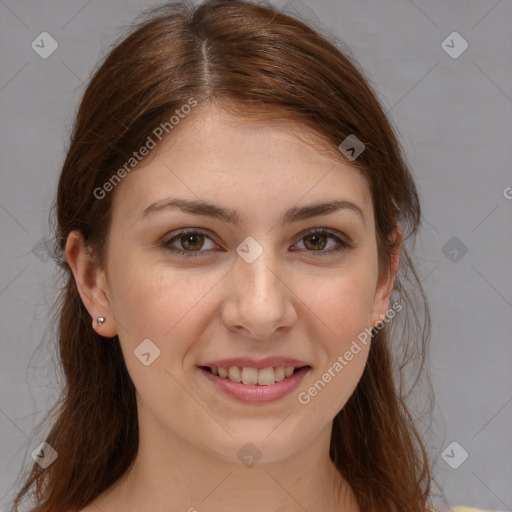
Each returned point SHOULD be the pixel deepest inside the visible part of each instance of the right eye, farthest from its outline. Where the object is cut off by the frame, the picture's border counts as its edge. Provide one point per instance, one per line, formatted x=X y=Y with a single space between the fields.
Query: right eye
x=191 y=240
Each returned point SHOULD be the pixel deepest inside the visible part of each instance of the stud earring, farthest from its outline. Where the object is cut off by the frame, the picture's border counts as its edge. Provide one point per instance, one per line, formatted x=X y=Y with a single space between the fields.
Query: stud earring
x=99 y=320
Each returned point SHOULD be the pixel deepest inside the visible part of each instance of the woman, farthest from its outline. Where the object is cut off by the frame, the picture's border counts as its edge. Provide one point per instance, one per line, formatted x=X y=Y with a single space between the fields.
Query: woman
x=233 y=209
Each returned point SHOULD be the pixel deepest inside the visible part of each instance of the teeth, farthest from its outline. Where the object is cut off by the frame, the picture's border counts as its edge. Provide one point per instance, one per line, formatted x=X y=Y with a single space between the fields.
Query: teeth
x=235 y=374
x=263 y=377
x=279 y=373
x=249 y=375
x=266 y=377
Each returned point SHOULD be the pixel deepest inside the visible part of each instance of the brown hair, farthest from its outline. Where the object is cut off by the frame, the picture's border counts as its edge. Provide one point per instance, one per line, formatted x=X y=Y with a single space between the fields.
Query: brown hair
x=269 y=65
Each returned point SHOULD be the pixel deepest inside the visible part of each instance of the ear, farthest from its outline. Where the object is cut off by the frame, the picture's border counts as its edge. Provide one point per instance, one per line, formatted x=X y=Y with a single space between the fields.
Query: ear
x=386 y=281
x=92 y=285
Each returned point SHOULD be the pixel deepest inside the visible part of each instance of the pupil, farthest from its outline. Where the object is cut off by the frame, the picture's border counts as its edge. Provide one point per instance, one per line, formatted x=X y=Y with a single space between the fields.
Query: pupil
x=191 y=238
x=316 y=243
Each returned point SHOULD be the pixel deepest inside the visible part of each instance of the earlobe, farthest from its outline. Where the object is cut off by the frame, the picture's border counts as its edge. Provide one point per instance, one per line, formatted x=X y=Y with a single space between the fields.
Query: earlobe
x=91 y=283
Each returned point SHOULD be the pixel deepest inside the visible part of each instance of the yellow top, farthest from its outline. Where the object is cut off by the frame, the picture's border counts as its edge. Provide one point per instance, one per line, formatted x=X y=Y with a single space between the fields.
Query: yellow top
x=461 y=509
x=466 y=509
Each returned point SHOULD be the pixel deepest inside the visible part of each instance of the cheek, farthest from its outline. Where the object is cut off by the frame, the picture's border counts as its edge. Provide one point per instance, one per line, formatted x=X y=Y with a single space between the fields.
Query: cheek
x=344 y=335
x=154 y=297
x=167 y=306
x=340 y=308
x=342 y=301
x=331 y=390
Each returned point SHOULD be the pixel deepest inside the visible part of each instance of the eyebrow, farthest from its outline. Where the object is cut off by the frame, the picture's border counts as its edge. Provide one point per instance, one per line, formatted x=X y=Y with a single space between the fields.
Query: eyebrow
x=294 y=214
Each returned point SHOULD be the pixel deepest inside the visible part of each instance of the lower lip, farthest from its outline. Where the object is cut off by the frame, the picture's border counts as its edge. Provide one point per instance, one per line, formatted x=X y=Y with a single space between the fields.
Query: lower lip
x=256 y=394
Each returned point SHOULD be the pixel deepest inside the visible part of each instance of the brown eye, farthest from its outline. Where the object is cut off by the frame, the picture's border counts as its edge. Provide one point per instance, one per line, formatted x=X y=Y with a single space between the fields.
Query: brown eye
x=319 y=241
x=195 y=243
x=192 y=241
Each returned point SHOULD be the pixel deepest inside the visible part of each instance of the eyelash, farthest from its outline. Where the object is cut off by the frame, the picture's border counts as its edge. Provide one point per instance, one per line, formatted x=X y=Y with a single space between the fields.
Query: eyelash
x=342 y=245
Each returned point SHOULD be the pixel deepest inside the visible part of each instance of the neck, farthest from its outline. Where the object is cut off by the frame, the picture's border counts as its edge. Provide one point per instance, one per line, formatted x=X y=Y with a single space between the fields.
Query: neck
x=169 y=474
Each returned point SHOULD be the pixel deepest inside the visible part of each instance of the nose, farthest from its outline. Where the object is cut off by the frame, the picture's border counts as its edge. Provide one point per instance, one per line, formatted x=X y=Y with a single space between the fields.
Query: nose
x=258 y=300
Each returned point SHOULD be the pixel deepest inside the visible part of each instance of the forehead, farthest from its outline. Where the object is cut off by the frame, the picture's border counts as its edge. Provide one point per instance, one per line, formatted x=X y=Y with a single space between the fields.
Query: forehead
x=242 y=164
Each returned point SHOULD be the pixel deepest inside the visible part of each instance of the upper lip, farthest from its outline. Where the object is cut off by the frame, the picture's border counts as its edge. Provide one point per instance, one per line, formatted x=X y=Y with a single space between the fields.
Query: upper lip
x=248 y=362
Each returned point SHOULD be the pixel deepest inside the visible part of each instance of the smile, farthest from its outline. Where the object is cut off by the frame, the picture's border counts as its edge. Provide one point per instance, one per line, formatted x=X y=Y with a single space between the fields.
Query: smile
x=248 y=375
x=252 y=385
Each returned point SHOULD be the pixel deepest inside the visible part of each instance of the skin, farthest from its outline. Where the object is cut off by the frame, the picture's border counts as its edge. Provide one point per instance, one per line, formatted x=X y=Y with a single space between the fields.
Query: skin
x=298 y=299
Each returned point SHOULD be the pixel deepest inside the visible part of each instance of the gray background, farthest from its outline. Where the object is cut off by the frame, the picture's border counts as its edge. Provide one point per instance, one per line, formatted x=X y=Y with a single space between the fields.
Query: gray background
x=454 y=116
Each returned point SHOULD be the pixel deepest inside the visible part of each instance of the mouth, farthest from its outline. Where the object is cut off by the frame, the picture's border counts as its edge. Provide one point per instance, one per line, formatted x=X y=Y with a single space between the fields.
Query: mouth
x=250 y=376
x=252 y=385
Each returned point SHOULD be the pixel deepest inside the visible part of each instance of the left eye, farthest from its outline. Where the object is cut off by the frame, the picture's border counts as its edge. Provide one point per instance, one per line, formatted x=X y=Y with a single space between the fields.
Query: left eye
x=319 y=236
x=192 y=241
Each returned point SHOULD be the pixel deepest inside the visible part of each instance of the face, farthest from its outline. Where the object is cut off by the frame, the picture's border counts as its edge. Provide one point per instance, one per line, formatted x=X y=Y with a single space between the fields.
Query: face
x=267 y=283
